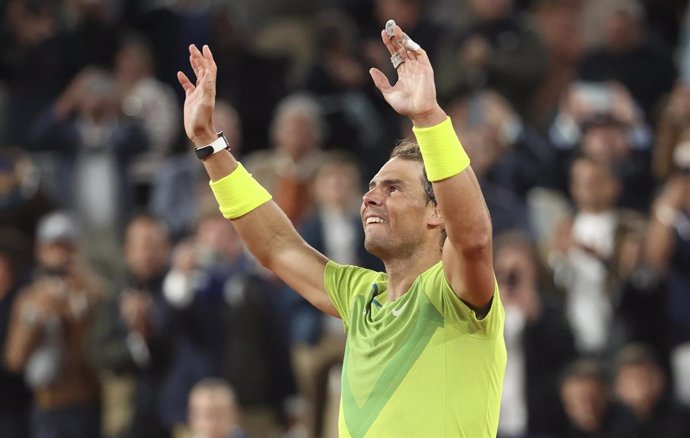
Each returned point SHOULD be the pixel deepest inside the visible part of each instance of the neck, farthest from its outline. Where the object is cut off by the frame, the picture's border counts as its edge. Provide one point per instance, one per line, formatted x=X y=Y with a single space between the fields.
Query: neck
x=402 y=272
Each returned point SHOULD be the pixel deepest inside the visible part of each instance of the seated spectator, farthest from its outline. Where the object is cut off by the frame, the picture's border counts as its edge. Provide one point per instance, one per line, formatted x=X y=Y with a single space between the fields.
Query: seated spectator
x=538 y=340
x=213 y=411
x=49 y=334
x=640 y=384
x=590 y=411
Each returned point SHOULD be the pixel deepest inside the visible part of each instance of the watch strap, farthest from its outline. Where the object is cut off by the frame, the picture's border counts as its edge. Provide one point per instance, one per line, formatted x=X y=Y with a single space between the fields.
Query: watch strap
x=217 y=145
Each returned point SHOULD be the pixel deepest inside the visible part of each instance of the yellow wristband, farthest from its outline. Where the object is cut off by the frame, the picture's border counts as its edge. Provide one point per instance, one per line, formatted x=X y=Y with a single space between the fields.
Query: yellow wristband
x=441 y=149
x=238 y=193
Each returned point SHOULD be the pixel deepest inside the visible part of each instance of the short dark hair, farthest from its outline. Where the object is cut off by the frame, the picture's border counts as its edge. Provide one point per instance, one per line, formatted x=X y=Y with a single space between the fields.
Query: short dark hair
x=407 y=149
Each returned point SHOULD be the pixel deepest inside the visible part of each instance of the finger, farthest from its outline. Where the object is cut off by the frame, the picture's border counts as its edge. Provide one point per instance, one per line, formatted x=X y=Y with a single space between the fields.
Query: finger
x=392 y=37
x=187 y=85
x=196 y=68
x=196 y=59
x=211 y=62
x=380 y=80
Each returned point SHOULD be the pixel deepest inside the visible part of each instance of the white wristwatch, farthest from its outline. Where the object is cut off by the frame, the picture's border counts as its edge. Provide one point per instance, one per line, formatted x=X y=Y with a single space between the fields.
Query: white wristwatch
x=219 y=144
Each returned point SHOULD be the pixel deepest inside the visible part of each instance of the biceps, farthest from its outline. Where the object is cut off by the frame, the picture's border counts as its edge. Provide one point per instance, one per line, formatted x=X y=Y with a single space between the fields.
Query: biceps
x=302 y=268
x=470 y=274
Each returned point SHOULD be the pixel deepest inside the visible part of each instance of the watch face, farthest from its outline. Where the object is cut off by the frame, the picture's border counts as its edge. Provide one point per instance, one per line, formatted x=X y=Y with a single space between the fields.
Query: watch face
x=204 y=152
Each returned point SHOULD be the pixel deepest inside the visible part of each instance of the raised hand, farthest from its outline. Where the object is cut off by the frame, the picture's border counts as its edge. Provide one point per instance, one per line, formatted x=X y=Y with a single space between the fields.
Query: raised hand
x=414 y=94
x=200 y=98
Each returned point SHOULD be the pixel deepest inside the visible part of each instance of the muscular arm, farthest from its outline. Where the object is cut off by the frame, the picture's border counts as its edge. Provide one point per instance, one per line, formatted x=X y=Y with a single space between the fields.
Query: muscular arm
x=467 y=255
x=266 y=231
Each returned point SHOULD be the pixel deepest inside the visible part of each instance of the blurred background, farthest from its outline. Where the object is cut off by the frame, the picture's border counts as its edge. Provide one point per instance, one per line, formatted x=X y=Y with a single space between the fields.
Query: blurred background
x=129 y=307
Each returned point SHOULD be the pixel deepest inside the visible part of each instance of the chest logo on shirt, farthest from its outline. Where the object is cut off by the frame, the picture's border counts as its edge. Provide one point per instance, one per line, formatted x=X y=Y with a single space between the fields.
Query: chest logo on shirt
x=359 y=418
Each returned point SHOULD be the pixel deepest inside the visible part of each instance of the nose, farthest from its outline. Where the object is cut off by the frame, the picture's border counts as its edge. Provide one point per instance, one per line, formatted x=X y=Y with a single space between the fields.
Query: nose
x=371 y=198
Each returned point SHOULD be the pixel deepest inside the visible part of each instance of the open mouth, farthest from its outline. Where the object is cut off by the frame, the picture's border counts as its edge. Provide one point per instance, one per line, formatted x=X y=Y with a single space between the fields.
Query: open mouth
x=374 y=220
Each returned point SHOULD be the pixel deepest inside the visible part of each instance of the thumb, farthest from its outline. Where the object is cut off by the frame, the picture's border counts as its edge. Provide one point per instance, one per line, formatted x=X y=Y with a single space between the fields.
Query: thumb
x=380 y=80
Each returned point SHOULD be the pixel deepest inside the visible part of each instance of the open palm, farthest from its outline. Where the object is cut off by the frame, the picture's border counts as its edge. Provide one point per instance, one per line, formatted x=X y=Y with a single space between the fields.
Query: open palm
x=414 y=94
x=200 y=98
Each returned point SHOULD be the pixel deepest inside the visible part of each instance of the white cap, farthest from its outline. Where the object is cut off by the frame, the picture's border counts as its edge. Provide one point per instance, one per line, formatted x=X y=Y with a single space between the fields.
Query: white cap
x=58 y=226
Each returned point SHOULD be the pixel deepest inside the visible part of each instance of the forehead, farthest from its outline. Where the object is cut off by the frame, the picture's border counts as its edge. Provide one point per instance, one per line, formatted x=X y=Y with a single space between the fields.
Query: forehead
x=407 y=171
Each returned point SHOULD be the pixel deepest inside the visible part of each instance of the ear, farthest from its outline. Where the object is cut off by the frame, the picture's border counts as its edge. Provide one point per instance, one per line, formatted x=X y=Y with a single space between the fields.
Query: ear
x=435 y=219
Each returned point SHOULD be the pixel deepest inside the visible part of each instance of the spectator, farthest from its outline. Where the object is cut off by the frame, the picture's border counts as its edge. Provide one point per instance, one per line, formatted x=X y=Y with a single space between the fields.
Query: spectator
x=22 y=201
x=297 y=132
x=630 y=57
x=49 y=334
x=153 y=103
x=489 y=130
x=586 y=244
x=562 y=35
x=91 y=141
x=30 y=65
x=604 y=121
x=339 y=79
x=213 y=411
x=131 y=340
x=499 y=50
x=639 y=300
x=538 y=340
x=640 y=384
x=589 y=409
x=668 y=251
x=224 y=322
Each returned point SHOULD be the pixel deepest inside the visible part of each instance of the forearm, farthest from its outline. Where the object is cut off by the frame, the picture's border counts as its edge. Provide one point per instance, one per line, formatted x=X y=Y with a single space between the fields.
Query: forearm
x=457 y=191
x=266 y=230
x=464 y=211
x=21 y=341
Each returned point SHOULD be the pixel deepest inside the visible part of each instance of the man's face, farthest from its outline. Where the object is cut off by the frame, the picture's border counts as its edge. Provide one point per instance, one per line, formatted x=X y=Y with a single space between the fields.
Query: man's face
x=146 y=249
x=55 y=257
x=640 y=386
x=593 y=188
x=584 y=400
x=212 y=414
x=395 y=211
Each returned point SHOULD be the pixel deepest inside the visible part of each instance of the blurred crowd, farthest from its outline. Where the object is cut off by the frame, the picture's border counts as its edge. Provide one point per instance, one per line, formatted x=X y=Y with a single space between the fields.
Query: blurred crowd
x=130 y=308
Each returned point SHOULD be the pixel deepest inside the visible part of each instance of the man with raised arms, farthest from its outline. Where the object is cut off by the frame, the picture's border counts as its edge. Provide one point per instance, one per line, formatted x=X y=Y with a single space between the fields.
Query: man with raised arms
x=425 y=354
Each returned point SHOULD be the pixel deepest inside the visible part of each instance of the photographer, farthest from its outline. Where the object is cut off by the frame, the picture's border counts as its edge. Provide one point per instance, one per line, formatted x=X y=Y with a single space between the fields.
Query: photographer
x=48 y=333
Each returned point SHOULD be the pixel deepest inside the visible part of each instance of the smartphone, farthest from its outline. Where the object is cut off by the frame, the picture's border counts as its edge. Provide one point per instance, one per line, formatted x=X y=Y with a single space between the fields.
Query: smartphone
x=596 y=95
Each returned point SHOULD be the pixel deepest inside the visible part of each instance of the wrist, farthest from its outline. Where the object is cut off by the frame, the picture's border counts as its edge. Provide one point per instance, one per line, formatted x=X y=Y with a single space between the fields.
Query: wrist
x=429 y=118
x=204 y=138
x=441 y=150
